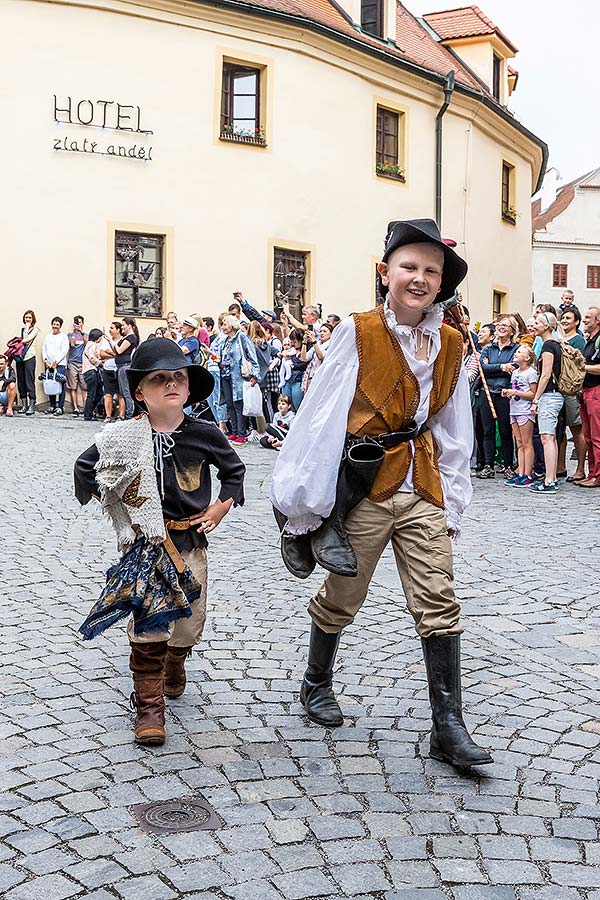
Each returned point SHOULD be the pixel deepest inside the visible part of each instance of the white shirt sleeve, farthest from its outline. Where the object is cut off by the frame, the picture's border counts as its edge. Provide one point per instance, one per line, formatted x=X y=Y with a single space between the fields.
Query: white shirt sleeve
x=452 y=431
x=305 y=475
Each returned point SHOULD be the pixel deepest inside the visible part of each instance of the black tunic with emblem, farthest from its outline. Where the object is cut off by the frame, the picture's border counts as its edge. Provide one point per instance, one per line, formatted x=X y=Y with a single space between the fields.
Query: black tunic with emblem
x=183 y=475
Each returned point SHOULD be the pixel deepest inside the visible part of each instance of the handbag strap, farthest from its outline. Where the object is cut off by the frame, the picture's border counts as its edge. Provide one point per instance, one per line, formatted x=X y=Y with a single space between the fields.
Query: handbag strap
x=242 y=346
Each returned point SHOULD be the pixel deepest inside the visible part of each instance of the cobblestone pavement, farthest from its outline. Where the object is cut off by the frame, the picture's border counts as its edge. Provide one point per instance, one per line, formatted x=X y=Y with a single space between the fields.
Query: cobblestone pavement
x=356 y=812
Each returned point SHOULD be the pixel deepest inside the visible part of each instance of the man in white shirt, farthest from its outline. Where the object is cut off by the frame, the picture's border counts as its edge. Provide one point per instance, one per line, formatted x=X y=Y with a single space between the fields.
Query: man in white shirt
x=393 y=372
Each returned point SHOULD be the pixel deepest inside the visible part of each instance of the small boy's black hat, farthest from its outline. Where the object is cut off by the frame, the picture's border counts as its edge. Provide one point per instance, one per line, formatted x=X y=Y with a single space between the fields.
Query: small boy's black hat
x=419 y=231
x=163 y=353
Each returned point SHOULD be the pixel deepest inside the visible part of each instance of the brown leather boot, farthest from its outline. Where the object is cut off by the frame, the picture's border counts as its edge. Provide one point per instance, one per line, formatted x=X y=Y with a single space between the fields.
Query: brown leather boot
x=175 y=679
x=147 y=664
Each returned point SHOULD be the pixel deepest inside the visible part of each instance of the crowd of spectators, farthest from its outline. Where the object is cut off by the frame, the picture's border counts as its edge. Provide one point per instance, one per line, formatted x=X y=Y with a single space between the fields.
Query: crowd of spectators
x=523 y=418
x=263 y=363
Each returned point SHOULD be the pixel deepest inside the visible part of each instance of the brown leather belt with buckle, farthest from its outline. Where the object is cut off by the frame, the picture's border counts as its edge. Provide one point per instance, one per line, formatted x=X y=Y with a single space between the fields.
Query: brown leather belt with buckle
x=389 y=439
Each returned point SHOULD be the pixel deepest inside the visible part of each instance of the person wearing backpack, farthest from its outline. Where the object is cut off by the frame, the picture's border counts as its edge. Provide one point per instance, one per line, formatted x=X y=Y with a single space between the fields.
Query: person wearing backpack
x=548 y=401
x=590 y=396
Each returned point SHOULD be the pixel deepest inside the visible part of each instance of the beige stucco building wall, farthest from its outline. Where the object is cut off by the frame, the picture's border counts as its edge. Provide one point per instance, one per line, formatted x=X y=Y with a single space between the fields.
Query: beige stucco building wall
x=223 y=207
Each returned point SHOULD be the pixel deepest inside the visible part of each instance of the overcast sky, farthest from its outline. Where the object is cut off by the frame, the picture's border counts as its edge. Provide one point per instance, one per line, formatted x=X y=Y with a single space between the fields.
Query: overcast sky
x=558 y=60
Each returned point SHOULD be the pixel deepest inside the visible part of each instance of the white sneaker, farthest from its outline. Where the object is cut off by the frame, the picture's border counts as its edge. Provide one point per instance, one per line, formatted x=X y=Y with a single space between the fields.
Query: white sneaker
x=254 y=437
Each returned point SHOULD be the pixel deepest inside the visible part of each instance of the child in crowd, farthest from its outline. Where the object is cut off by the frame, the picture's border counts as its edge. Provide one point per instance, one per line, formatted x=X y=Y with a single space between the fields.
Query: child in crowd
x=521 y=393
x=278 y=429
x=152 y=476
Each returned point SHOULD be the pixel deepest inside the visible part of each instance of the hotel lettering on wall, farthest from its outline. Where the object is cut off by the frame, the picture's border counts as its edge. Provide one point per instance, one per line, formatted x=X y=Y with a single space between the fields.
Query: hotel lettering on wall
x=101 y=116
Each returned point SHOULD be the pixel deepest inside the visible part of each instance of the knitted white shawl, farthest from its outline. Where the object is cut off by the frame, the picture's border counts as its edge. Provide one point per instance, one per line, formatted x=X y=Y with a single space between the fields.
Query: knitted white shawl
x=126 y=477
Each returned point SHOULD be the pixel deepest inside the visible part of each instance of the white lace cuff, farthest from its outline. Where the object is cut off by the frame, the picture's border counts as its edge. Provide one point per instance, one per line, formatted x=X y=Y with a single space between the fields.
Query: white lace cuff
x=453 y=520
x=303 y=524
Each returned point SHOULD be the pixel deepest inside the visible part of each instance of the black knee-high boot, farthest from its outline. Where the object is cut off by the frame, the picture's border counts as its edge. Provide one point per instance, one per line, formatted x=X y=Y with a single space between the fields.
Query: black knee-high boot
x=450 y=741
x=316 y=692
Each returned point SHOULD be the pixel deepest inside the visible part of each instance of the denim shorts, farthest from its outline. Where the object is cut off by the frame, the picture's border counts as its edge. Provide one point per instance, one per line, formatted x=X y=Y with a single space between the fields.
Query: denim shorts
x=3 y=398
x=549 y=407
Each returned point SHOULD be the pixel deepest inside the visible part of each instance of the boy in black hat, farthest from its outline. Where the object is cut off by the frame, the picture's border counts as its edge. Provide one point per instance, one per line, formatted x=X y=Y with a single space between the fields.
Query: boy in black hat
x=152 y=476
x=392 y=389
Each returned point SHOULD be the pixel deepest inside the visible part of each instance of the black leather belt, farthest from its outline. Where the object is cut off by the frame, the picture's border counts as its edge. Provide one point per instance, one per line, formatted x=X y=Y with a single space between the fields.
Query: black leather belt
x=389 y=439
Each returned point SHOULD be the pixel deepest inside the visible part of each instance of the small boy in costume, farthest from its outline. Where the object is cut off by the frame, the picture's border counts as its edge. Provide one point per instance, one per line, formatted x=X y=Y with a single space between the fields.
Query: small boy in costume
x=152 y=476
x=379 y=452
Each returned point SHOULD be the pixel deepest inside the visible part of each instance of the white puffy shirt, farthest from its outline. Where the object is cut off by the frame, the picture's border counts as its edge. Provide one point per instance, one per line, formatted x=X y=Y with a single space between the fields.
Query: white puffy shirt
x=305 y=474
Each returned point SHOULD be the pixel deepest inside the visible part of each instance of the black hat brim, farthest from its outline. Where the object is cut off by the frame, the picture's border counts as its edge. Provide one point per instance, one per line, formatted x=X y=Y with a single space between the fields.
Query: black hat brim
x=201 y=382
x=455 y=268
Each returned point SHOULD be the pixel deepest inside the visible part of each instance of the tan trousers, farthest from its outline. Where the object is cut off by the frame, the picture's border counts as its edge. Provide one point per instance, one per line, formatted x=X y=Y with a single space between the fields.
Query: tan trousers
x=423 y=552
x=183 y=632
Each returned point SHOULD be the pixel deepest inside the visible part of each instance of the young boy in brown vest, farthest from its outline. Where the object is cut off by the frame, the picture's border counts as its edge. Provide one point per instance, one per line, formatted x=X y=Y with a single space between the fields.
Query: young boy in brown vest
x=393 y=377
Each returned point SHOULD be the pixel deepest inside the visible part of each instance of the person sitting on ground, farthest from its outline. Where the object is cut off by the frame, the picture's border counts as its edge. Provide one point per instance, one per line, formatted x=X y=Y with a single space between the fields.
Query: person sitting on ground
x=78 y=338
x=279 y=427
x=8 y=387
x=521 y=393
x=152 y=476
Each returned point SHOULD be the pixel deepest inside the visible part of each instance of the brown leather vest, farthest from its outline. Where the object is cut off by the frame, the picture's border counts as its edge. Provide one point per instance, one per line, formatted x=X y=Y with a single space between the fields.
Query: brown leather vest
x=387 y=398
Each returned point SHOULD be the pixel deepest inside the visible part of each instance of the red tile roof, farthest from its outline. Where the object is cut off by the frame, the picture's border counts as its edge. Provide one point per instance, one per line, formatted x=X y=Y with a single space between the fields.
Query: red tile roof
x=563 y=200
x=414 y=43
x=468 y=21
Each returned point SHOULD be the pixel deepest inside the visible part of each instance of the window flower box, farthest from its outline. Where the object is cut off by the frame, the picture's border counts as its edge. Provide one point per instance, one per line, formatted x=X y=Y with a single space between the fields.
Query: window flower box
x=257 y=138
x=510 y=215
x=390 y=170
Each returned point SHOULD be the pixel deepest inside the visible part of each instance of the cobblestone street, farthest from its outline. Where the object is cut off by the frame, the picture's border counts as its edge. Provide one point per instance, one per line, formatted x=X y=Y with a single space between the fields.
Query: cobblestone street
x=358 y=812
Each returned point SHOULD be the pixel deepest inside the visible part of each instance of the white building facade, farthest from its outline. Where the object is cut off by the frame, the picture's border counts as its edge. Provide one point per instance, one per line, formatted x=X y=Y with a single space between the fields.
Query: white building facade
x=566 y=241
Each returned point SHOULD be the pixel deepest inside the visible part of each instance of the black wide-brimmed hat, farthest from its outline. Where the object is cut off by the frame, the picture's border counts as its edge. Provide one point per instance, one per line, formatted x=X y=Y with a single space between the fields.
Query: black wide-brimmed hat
x=420 y=231
x=163 y=353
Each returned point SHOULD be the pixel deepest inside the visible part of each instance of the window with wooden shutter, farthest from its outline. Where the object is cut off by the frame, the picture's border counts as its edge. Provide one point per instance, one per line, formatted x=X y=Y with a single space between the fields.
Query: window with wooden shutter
x=559 y=275
x=496 y=77
x=241 y=104
x=498 y=302
x=593 y=277
x=372 y=17
x=388 y=144
x=509 y=213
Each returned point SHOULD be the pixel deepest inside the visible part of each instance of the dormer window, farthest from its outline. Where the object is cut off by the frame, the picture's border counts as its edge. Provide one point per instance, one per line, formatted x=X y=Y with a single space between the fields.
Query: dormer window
x=496 y=77
x=372 y=16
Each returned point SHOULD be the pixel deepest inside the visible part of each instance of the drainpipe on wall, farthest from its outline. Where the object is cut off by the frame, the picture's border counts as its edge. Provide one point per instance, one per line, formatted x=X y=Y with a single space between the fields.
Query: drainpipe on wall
x=448 y=89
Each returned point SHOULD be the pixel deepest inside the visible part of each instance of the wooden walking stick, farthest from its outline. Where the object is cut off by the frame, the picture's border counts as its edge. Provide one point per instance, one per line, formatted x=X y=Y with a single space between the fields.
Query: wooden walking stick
x=482 y=376
x=453 y=308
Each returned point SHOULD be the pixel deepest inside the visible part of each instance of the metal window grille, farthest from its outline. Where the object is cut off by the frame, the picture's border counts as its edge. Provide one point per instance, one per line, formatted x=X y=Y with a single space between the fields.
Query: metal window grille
x=371 y=17
x=240 y=100
x=289 y=279
x=559 y=275
x=387 y=136
x=496 y=70
x=593 y=277
x=139 y=274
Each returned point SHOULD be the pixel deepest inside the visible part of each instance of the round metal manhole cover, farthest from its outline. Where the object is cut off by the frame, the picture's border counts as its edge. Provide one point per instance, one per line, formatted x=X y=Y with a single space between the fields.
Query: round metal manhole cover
x=173 y=816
